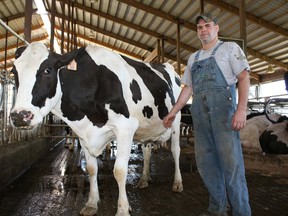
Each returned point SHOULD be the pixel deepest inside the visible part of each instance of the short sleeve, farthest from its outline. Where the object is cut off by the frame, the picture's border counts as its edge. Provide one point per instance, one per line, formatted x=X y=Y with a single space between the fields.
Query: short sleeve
x=186 y=79
x=238 y=60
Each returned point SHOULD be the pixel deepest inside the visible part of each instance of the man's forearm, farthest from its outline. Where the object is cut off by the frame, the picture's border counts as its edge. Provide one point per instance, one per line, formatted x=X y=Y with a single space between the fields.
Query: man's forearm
x=182 y=100
x=243 y=90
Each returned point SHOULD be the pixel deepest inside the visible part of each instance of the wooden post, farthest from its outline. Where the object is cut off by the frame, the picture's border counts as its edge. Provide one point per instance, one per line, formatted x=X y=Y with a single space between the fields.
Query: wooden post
x=62 y=27
x=178 y=48
x=28 y=20
x=242 y=15
x=158 y=51
x=162 y=50
x=53 y=9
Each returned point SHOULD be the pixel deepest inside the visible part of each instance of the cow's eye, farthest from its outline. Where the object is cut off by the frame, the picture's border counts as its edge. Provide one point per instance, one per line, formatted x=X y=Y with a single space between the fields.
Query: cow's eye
x=47 y=71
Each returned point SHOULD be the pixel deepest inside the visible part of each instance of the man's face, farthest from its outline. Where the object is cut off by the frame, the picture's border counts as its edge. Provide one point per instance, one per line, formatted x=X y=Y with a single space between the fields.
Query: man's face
x=207 y=31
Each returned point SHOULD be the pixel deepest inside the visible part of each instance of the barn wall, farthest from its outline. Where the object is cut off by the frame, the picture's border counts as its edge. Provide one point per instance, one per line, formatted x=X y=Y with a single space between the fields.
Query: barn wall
x=16 y=159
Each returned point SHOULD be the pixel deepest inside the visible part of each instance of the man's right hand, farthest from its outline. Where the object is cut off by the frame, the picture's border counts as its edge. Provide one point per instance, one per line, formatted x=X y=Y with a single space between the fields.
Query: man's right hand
x=168 y=120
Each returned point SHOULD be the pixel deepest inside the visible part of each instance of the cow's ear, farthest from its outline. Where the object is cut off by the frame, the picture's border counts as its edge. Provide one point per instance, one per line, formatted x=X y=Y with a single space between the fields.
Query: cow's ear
x=66 y=58
x=19 y=51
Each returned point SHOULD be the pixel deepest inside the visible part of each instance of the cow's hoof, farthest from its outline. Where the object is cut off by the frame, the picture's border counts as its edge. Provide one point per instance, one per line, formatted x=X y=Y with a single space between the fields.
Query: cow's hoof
x=123 y=213
x=177 y=187
x=71 y=147
x=67 y=145
x=88 y=211
x=142 y=183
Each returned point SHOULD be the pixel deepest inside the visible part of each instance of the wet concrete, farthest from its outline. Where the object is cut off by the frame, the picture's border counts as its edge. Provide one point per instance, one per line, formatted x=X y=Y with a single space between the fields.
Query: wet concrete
x=26 y=153
x=57 y=185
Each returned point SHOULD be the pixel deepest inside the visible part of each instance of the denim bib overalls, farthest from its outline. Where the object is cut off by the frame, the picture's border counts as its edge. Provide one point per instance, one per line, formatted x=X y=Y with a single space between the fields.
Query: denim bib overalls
x=217 y=147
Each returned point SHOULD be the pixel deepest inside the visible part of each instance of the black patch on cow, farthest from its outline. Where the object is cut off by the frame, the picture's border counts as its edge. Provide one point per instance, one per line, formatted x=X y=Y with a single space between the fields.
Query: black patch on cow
x=161 y=69
x=136 y=92
x=282 y=119
x=178 y=81
x=269 y=144
x=87 y=91
x=157 y=86
x=186 y=116
x=15 y=74
x=46 y=81
x=147 y=112
x=19 y=51
x=14 y=71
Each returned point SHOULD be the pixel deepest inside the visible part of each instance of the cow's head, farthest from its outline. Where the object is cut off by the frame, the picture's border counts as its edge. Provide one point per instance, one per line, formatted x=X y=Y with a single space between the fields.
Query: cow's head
x=39 y=89
x=37 y=82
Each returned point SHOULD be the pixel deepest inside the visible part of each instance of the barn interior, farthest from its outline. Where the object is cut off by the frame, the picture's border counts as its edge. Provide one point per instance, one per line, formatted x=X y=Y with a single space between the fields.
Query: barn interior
x=150 y=31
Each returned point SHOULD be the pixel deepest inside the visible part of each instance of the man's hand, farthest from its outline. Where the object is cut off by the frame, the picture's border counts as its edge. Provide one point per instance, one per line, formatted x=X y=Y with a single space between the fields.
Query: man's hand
x=239 y=120
x=168 y=120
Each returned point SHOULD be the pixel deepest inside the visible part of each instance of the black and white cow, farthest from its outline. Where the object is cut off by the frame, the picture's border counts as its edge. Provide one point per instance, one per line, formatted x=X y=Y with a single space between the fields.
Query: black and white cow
x=103 y=97
x=255 y=126
x=274 y=139
x=186 y=122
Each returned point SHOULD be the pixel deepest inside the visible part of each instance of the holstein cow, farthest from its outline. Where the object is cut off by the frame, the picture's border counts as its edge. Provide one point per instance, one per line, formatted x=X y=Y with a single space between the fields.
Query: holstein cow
x=274 y=139
x=186 y=120
x=255 y=126
x=104 y=97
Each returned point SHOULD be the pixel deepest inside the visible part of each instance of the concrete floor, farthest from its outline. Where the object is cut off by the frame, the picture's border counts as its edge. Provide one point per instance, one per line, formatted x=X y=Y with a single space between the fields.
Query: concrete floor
x=57 y=185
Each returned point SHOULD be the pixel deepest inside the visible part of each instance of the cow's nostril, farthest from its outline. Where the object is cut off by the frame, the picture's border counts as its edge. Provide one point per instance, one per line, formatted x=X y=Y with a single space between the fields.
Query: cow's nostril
x=26 y=115
x=23 y=118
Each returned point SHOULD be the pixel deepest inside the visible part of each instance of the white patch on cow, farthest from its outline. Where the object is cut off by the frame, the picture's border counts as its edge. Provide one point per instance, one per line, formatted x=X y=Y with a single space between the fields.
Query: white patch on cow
x=27 y=65
x=102 y=56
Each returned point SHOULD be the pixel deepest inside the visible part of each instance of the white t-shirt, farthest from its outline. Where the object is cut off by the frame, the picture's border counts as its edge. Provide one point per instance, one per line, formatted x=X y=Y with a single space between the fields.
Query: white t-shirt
x=229 y=57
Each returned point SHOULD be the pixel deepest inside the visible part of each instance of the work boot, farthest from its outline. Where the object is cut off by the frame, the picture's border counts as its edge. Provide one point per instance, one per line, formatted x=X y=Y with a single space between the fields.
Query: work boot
x=208 y=213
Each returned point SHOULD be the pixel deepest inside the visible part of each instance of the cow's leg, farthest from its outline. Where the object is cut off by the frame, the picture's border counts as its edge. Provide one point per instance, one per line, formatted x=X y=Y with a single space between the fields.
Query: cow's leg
x=187 y=130
x=175 y=148
x=182 y=130
x=92 y=168
x=124 y=136
x=145 y=177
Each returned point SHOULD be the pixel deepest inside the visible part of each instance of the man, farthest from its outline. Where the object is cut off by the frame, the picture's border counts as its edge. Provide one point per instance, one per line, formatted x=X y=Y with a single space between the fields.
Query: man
x=211 y=75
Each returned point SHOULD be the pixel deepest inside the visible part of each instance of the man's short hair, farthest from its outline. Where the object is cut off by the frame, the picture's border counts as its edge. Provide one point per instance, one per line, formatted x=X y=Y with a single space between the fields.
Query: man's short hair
x=207 y=17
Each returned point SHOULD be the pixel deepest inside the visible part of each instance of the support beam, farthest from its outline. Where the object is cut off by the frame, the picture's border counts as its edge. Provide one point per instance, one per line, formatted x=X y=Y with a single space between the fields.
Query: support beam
x=159 y=51
x=36 y=27
x=152 y=56
x=162 y=49
x=267 y=59
x=279 y=75
x=133 y=26
x=259 y=21
x=254 y=76
x=178 y=48
x=201 y=6
x=52 y=19
x=242 y=17
x=28 y=19
x=153 y=11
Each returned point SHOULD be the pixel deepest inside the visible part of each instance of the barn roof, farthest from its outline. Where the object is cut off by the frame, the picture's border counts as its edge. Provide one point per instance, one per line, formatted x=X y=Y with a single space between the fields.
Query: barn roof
x=138 y=27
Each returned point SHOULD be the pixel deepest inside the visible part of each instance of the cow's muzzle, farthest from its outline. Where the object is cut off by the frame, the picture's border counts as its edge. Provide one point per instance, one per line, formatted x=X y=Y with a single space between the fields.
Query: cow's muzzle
x=21 y=119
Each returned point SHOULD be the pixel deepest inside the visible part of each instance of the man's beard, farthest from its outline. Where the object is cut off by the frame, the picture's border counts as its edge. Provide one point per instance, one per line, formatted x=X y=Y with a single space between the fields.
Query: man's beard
x=207 y=40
